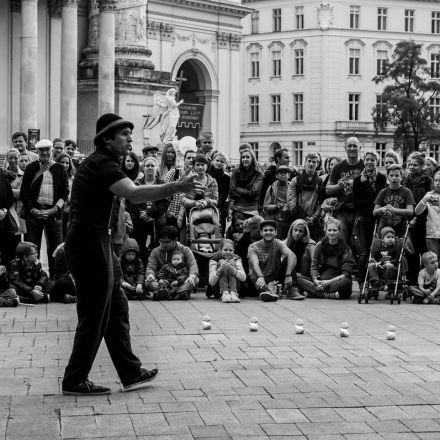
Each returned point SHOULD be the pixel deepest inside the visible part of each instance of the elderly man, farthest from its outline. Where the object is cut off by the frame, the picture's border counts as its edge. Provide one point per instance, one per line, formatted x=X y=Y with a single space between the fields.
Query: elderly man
x=44 y=191
x=340 y=185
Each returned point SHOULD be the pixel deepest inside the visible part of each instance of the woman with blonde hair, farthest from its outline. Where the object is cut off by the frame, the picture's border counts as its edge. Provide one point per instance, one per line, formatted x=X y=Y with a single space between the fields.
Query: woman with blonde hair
x=168 y=160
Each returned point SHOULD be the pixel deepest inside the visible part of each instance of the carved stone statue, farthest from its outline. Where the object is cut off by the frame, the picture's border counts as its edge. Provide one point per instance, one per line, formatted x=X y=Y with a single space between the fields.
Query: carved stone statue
x=170 y=115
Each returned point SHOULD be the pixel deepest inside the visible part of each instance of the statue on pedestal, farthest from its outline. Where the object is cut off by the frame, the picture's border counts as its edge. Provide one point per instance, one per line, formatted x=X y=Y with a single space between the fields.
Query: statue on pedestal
x=170 y=115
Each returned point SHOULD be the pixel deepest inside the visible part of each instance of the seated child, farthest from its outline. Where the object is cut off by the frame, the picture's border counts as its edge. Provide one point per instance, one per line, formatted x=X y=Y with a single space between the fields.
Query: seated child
x=133 y=273
x=226 y=268
x=429 y=281
x=383 y=264
x=171 y=278
x=235 y=231
x=63 y=289
x=27 y=276
x=8 y=295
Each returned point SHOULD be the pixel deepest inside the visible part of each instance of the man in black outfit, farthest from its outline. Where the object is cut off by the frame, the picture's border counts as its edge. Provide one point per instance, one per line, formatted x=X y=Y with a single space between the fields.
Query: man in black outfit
x=102 y=306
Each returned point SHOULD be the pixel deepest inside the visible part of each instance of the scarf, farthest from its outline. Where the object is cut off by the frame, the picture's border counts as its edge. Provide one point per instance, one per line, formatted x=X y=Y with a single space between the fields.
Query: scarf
x=305 y=183
x=370 y=176
x=329 y=250
x=298 y=247
x=414 y=180
x=244 y=176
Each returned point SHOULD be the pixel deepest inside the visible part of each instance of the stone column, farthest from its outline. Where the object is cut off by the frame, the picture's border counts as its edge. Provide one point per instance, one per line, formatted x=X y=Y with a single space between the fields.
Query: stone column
x=69 y=66
x=15 y=64
x=106 y=69
x=28 y=65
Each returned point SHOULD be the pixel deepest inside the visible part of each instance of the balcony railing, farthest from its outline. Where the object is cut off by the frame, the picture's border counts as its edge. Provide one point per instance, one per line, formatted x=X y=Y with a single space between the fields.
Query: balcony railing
x=359 y=127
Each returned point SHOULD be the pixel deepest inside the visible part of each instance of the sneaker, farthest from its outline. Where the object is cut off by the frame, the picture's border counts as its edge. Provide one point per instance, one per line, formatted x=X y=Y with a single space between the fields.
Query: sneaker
x=268 y=296
x=234 y=297
x=331 y=295
x=185 y=295
x=226 y=297
x=15 y=302
x=46 y=298
x=145 y=377
x=69 y=299
x=161 y=294
x=86 y=388
x=427 y=300
x=293 y=293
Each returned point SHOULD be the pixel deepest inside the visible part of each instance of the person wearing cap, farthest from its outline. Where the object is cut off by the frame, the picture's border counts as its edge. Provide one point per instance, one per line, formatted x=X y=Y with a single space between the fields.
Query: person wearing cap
x=150 y=151
x=281 y=157
x=275 y=202
x=340 y=185
x=304 y=196
x=382 y=268
x=44 y=191
x=102 y=306
x=265 y=263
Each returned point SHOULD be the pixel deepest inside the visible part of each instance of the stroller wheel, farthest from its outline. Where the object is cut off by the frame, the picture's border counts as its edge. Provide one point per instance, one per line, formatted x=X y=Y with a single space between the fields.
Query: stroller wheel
x=398 y=300
x=404 y=295
x=359 y=299
x=392 y=299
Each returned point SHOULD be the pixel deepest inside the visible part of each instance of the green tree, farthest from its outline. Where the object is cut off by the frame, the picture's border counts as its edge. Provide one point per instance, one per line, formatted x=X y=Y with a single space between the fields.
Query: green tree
x=406 y=98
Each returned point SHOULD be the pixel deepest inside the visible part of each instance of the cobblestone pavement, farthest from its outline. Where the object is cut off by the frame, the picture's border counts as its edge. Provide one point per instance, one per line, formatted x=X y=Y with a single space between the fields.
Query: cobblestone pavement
x=230 y=383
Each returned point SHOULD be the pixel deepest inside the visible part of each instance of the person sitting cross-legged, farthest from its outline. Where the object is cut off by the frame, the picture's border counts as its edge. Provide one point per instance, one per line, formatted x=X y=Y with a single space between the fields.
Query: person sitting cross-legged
x=162 y=255
x=265 y=262
x=332 y=264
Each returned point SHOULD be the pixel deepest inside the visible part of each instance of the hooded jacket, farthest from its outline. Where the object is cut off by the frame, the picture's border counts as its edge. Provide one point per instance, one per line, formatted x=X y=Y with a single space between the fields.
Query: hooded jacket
x=132 y=271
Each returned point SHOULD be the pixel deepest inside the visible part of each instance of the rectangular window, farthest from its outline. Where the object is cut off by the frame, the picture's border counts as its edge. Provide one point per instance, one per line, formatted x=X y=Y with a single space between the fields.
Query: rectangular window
x=276 y=63
x=255 y=65
x=298 y=153
x=355 y=12
x=435 y=65
x=299 y=17
x=254 y=146
x=381 y=148
x=353 y=106
x=434 y=151
x=276 y=108
x=382 y=57
x=435 y=22
x=298 y=107
x=409 y=20
x=380 y=105
x=382 y=19
x=434 y=107
x=254 y=102
x=298 y=56
x=354 y=61
x=255 y=22
x=276 y=16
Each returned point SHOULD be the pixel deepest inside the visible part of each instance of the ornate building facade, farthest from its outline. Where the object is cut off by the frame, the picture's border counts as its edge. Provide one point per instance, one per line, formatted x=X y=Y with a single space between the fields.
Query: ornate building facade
x=308 y=69
x=67 y=61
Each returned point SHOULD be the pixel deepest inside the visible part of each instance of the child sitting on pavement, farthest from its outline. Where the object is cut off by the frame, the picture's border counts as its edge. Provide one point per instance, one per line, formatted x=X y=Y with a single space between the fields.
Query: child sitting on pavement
x=27 y=276
x=8 y=295
x=171 y=276
x=428 y=290
x=133 y=274
x=226 y=268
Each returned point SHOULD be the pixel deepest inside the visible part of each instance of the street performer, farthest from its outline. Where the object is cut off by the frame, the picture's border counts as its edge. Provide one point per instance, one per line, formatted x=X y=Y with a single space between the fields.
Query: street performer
x=102 y=307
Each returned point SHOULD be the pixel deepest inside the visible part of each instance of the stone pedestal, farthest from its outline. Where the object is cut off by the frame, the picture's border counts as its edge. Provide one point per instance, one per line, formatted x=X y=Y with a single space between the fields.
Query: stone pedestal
x=28 y=65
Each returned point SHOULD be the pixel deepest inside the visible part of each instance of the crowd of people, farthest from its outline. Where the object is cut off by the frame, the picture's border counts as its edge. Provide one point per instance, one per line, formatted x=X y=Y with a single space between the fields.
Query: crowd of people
x=304 y=232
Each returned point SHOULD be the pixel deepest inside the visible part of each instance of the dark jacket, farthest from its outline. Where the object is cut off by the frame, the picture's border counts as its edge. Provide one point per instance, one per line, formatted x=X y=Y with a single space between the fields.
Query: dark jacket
x=223 y=184
x=132 y=271
x=24 y=279
x=364 y=195
x=29 y=192
x=6 y=195
x=270 y=176
x=170 y=273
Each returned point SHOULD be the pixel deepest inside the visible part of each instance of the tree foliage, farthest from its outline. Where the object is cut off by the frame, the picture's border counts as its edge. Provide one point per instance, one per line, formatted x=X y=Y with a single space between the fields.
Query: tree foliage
x=405 y=100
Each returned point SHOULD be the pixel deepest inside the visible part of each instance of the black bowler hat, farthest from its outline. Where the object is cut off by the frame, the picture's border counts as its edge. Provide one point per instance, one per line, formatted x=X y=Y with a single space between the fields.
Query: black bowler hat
x=109 y=121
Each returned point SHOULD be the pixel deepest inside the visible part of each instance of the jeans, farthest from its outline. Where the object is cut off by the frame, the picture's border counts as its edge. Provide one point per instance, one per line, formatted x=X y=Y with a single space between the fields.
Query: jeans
x=102 y=310
x=344 y=286
x=53 y=229
x=433 y=245
x=227 y=281
x=363 y=230
x=387 y=273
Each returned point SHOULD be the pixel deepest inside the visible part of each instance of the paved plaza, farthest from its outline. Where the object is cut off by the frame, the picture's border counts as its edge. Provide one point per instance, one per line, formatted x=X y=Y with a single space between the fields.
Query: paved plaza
x=228 y=382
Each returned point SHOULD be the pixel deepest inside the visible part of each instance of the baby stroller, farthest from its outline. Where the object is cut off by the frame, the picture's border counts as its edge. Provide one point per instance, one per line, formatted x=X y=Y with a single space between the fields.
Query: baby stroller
x=204 y=235
x=397 y=290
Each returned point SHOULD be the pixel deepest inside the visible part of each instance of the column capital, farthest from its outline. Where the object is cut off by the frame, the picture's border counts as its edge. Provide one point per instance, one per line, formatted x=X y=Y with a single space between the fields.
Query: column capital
x=71 y=3
x=15 y=5
x=107 y=5
x=55 y=8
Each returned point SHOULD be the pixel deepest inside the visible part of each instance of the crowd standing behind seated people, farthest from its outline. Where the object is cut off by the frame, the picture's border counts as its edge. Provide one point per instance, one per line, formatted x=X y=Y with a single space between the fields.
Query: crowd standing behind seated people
x=319 y=258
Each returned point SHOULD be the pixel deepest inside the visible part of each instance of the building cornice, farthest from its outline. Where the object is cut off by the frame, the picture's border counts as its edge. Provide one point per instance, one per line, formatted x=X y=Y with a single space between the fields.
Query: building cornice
x=209 y=5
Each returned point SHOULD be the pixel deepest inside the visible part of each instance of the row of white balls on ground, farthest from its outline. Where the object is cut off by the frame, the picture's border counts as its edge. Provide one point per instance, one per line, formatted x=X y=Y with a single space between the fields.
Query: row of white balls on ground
x=299 y=327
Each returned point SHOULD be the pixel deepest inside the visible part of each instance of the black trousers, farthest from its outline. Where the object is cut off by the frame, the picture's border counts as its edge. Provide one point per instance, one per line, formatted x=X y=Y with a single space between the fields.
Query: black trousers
x=102 y=310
